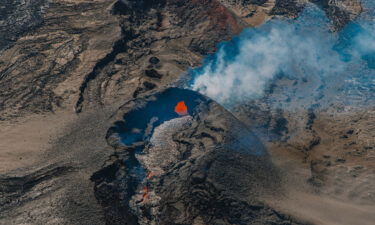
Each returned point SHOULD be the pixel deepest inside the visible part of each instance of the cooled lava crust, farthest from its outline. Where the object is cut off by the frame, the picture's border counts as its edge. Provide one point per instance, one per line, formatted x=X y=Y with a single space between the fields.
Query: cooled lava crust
x=202 y=168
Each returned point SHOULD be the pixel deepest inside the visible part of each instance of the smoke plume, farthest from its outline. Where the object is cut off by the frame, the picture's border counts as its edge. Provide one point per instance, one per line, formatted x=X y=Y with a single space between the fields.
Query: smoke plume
x=303 y=48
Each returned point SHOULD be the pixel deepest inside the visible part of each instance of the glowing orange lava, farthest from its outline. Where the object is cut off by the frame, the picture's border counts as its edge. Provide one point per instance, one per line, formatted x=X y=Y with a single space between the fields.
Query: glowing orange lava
x=145 y=193
x=181 y=109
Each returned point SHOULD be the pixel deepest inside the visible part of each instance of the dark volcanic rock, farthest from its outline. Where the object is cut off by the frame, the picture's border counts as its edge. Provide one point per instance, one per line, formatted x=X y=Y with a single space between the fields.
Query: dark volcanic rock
x=65 y=46
x=289 y=8
x=203 y=168
x=153 y=74
x=340 y=12
x=154 y=60
x=246 y=2
x=18 y=17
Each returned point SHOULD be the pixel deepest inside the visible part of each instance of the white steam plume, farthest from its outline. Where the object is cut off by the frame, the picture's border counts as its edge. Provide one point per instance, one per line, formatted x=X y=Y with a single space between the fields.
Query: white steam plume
x=242 y=68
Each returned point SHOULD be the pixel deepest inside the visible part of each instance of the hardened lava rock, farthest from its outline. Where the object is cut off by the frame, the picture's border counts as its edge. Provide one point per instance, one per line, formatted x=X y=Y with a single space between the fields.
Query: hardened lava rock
x=202 y=168
x=18 y=17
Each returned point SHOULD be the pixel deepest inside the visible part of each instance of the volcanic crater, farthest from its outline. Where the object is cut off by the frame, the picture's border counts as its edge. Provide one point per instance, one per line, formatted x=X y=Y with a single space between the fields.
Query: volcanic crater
x=173 y=169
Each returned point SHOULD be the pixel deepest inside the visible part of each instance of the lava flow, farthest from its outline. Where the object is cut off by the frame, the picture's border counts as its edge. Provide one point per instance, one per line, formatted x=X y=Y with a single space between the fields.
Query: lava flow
x=145 y=193
x=181 y=109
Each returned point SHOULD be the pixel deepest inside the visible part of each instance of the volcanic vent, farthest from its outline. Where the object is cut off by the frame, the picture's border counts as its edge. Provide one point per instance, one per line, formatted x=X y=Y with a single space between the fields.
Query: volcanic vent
x=181 y=158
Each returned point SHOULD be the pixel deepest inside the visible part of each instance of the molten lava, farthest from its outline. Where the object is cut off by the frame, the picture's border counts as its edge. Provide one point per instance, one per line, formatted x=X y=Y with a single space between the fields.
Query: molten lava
x=181 y=109
x=145 y=193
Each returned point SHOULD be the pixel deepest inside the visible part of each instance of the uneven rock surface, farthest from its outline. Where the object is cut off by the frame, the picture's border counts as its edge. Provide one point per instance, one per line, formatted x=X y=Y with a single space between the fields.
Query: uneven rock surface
x=56 y=189
x=83 y=65
x=18 y=17
x=203 y=168
x=333 y=140
x=90 y=53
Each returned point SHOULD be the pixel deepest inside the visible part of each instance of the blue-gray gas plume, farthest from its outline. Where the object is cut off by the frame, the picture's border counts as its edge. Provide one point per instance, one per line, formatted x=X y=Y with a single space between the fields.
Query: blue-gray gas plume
x=304 y=48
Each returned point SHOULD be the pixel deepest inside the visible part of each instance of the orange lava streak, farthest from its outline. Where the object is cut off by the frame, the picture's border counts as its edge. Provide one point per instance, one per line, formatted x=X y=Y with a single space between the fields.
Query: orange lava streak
x=145 y=193
x=181 y=109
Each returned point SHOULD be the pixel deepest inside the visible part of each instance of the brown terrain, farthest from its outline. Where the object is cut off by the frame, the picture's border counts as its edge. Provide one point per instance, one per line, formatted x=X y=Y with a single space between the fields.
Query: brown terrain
x=73 y=71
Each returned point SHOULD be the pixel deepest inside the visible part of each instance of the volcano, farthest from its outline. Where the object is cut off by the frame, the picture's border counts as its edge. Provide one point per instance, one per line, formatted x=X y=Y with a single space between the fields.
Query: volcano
x=94 y=131
x=192 y=159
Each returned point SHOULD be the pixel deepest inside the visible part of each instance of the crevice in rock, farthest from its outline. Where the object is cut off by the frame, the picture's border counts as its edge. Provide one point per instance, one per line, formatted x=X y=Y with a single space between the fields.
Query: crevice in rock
x=118 y=47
